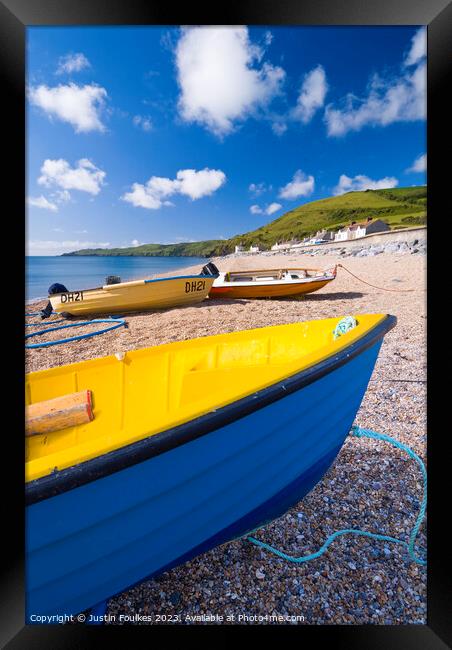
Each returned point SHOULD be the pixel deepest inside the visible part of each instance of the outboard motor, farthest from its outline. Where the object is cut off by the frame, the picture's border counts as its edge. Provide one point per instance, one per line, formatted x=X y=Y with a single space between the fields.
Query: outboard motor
x=112 y=279
x=53 y=289
x=210 y=269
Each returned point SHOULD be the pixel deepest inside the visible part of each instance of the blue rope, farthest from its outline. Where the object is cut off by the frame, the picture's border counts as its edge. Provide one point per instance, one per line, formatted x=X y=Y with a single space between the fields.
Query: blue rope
x=50 y=322
x=358 y=432
x=117 y=322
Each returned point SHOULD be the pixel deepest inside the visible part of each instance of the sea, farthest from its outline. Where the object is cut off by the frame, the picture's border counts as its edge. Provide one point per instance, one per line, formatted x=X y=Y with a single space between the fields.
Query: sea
x=86 y=272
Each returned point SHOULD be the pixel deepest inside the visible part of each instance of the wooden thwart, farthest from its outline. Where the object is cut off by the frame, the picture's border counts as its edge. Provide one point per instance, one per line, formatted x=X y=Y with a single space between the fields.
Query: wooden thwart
x=59 y=413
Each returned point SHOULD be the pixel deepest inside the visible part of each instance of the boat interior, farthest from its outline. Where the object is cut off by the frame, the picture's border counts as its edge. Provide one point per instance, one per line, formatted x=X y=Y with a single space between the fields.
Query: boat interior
x=272 y=275
x=142 y=392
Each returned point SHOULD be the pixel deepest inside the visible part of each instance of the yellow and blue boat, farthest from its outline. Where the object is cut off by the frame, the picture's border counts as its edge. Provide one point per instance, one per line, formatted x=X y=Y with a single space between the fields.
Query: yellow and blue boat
x=192 y=444
x=137 y=295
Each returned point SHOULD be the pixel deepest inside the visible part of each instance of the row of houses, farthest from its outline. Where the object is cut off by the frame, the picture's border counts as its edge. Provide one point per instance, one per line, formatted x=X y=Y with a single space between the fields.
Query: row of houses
x=353 y=231
x=357 y=230
x=241 y=249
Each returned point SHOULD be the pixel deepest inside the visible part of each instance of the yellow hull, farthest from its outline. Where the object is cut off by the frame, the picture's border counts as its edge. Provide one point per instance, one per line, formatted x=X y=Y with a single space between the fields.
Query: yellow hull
x=160 y=293
x=150 y=390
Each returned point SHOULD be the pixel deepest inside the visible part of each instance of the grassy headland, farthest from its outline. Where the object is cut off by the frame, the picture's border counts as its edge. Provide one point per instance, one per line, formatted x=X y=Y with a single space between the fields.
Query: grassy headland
x=402 y=207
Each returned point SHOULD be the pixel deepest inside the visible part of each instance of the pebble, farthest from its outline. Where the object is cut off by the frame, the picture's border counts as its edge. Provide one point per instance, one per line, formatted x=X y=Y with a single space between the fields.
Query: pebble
x=175 y=598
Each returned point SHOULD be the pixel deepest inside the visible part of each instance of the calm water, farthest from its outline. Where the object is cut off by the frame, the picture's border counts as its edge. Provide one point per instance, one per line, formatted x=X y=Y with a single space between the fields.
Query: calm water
x=86 y=272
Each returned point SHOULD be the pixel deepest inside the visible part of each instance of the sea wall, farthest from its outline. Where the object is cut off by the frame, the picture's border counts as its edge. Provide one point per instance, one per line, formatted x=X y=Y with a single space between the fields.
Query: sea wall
x=407 y=241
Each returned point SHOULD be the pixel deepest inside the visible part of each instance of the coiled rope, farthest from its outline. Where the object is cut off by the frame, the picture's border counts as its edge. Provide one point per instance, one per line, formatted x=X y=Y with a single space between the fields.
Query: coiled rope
x=113 y=322
x=358 y=432
x=344 y=325
x=373 y=285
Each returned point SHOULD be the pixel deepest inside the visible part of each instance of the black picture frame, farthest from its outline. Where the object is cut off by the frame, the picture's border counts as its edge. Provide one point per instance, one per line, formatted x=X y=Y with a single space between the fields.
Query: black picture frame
x=15 y=16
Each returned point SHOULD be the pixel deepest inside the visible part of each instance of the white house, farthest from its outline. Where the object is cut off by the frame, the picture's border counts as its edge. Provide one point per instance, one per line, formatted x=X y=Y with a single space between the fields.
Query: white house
x=285 y=245
x=357 y=230
x=254 y=249
x=320 y=237
x=239 y=249
x=324 y=235
x=301 y=244
x=342 y=235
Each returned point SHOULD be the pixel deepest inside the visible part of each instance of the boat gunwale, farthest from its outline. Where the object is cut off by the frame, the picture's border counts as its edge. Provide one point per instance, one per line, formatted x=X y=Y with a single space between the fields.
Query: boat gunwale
x=280 y=268
x=265 y=282
x=126 y=456
x=107 y=287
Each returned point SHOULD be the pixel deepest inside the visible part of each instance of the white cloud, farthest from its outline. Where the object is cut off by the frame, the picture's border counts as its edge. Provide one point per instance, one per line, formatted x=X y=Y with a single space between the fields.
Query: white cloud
x=418 y=49
x=189 y=182
x=273 y=207
x=300 y=185
x=203 y=183
x=269 y=209
x=279 y=128
x=72 y=63
x=419 y=165
x=259 y=188
x=62 y=196
x=143 y=122
x=391 y=99
x=85 y=176
x=268 y=38
x=312 y=95
x=52 y=247
x=42 y=202
x=218 y=82
x=80 y=106
x=135 y=243
x=360 y=183
x=256 y=209
x=143 y=196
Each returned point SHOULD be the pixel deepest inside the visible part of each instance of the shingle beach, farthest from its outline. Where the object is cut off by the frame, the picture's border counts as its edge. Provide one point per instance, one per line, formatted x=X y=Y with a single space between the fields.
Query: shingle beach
x=371 y=486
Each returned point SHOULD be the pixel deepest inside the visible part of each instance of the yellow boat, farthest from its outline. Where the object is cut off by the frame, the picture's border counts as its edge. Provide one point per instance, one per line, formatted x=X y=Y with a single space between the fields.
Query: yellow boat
x=158 y=293
x=190 y=444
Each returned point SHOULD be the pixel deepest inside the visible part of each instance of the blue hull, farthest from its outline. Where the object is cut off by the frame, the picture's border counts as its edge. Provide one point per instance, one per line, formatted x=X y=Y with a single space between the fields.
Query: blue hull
x=91 y=542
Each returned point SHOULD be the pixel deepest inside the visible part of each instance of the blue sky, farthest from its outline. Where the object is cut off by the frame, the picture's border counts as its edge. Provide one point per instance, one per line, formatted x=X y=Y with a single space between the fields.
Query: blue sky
x=162 y=134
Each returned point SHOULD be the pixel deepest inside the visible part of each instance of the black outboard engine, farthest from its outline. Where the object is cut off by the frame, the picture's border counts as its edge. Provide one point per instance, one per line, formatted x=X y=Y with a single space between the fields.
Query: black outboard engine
x=112 y=279
x=210 y=269
x=53 y=289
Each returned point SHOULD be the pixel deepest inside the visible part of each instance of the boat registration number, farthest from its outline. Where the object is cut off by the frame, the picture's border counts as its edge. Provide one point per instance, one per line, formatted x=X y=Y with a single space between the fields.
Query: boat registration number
x=73 y=296
x=195 y=285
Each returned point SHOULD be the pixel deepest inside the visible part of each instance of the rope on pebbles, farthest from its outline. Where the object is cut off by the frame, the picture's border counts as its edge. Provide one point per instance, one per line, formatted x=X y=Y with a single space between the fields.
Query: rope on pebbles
x=113 y=323
x=358 y=432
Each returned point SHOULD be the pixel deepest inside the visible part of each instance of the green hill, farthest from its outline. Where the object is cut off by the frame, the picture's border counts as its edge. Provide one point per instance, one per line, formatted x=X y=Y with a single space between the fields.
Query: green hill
x=399 y=208
x=402 y=207
x=195 y=249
